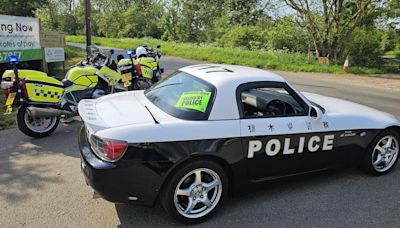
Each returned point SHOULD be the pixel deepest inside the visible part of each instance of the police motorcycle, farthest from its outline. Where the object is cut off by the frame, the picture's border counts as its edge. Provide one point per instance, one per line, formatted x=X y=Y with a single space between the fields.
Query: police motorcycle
x=145 y=70
x=43 y=100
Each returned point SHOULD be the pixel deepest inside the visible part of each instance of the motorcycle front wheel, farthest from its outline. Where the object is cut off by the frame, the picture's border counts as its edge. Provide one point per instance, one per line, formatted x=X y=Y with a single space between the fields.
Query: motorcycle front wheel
x=35 y=127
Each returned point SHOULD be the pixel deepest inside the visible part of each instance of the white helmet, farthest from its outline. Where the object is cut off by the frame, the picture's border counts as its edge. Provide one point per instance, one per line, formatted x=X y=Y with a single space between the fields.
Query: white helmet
x=141 y=51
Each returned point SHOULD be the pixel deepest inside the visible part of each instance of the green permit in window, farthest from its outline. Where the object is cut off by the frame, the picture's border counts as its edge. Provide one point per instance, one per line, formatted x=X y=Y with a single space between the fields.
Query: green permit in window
x=196 y=100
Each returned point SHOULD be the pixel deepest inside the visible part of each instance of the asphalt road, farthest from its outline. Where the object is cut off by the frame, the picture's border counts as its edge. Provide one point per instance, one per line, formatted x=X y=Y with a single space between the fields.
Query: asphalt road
x=41 y=184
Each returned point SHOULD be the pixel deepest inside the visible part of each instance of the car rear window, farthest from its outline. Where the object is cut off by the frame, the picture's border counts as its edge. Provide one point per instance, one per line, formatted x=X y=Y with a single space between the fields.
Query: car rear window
x=183 y=96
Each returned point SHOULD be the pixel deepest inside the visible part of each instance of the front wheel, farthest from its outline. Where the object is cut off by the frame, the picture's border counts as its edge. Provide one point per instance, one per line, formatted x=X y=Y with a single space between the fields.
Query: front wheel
x=35 y=127
x=382 y=153
x=195 y=191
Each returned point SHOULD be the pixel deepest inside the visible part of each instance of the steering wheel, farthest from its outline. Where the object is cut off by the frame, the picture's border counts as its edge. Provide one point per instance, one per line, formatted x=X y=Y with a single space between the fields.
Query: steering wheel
x=276 y=107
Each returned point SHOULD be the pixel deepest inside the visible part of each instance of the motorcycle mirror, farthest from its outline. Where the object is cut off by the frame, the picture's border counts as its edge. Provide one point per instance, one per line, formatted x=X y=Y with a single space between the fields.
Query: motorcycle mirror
x=112 y=51
x=120 y=57
x=13 y=59
x=158 y=46
x=129 y=52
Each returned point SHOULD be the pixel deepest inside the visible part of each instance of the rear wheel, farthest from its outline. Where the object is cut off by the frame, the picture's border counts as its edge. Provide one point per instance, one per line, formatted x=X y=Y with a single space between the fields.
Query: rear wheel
x=383 y=153
x=195 y=191
x=35 y=127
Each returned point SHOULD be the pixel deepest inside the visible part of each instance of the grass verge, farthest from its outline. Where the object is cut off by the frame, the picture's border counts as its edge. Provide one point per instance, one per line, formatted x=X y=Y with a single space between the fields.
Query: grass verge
x=395 y=54
x=276 y=60
x=6 y=120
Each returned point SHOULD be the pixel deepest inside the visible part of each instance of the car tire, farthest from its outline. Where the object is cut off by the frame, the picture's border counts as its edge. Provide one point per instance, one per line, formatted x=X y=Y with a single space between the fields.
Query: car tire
x=184 y=189
x=382 y=154
x=28 y=129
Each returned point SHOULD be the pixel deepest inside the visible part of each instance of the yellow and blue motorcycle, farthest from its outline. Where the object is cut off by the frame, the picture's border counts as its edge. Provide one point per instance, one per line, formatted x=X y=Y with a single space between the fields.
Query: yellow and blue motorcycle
x=43 y=100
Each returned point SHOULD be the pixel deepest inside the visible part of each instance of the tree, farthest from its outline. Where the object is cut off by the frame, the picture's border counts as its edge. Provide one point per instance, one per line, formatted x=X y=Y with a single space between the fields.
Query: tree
x=330 y=23
x=142 y=18
x=245 y=12
x=20 y=7
x=186 y=20
x=286 y=34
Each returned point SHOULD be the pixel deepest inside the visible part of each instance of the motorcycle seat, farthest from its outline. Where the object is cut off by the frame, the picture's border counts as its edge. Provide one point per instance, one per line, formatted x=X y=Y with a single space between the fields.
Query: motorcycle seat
x=66 y=83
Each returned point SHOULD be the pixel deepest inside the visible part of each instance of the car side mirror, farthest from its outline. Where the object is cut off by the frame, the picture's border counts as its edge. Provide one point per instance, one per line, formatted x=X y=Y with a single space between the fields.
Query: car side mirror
x=315 y=113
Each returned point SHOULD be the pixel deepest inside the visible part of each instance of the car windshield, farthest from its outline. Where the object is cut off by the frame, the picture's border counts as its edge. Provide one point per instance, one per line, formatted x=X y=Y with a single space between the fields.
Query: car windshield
x=183 y=96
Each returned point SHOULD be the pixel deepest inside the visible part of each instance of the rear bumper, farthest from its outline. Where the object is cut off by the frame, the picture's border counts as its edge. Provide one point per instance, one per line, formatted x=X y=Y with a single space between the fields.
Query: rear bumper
x=121 y=182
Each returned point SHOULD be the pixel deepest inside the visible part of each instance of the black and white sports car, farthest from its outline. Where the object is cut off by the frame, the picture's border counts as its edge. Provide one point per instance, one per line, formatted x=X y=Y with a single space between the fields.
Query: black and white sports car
x=212 y=129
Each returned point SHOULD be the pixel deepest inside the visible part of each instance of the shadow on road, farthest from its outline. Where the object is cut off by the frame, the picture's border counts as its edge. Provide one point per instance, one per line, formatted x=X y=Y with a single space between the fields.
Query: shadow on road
x=24 y=169
x=319 y=200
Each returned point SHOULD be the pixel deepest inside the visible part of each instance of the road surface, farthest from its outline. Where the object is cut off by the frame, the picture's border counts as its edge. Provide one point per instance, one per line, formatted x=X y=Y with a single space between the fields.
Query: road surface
x=41 y=184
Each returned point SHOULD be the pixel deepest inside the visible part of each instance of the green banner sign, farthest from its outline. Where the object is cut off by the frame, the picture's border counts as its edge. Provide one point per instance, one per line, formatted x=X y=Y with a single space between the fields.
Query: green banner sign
x=19 y=36
x=196 y=100
x=24 y=55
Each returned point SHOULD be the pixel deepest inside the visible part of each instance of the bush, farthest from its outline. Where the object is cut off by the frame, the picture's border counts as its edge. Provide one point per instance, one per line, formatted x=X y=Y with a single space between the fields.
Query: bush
x=365 y=48
x=286 y=35
x=248 y=37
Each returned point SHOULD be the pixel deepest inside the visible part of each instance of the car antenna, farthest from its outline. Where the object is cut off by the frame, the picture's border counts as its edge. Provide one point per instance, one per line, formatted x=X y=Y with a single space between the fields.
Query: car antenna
x=155 y=121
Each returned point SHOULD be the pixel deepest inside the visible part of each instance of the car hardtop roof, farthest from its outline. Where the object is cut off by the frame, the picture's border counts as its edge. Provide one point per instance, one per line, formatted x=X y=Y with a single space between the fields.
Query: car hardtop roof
x=219 y=74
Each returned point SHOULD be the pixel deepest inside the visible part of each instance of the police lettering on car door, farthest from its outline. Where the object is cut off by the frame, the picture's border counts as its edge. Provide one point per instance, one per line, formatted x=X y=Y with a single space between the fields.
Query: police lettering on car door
x=275 y=146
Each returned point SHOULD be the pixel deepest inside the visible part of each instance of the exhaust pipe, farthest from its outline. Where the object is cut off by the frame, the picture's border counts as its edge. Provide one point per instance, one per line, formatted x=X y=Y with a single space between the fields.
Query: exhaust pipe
x=37 y=112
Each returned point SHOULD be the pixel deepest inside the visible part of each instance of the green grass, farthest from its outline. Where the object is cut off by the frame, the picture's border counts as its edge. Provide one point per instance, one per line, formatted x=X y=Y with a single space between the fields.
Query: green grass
x=393 y=54
x=72 y=56
x=276 y=60
x=6 y=120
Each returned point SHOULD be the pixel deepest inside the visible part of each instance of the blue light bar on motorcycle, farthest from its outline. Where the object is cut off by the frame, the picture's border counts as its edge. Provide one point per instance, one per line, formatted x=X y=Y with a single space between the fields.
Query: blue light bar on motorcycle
x=129 y=52
x=13 y=59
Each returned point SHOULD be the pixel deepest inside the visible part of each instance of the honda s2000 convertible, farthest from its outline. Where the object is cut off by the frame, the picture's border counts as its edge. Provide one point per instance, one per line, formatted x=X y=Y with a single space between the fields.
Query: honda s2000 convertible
x=207 y=130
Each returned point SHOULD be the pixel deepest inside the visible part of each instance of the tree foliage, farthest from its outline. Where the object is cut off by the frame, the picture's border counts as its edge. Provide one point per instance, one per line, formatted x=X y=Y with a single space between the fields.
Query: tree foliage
x=20 y=7
x=328 y=27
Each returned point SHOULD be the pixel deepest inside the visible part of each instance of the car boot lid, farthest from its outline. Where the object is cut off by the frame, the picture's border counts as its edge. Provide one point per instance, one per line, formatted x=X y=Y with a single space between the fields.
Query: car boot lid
x=122 y=109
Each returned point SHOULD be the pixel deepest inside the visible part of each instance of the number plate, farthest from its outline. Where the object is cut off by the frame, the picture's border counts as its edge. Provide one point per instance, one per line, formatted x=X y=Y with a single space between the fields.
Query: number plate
x=126 y=77
x=10 y=99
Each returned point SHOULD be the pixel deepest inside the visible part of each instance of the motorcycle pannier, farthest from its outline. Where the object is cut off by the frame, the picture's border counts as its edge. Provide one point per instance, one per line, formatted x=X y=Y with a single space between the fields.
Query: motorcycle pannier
x=43 y=89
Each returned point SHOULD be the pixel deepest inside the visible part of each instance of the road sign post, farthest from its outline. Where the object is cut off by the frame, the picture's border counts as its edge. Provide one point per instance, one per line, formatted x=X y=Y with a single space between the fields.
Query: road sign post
x=88 y=28
x=53 y=48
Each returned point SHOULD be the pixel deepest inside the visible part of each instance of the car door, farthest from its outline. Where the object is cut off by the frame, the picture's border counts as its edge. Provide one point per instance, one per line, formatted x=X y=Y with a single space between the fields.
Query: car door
x=279 y=137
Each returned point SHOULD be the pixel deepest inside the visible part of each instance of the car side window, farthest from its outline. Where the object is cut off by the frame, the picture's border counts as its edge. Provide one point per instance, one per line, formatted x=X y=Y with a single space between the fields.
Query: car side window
x=269 y=101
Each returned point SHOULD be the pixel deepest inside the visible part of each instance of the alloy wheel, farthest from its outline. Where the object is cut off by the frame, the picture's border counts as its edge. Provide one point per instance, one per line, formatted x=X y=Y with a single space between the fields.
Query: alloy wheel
x=385 y=153
x=198 y=193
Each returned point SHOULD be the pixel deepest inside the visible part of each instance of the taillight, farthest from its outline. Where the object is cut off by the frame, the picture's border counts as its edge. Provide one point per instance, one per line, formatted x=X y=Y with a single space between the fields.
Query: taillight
x=138 y=69
x=108 y=149
x=115 y=149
